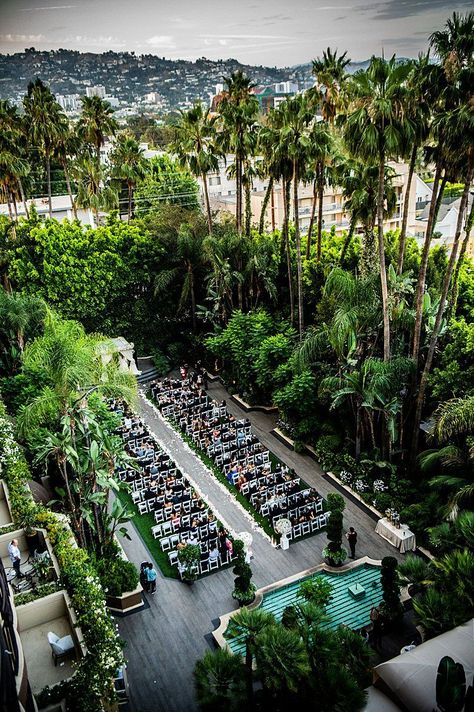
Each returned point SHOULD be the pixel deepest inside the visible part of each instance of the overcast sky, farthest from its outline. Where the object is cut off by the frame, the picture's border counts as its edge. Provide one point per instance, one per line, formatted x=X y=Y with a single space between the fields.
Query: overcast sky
x=269 y=32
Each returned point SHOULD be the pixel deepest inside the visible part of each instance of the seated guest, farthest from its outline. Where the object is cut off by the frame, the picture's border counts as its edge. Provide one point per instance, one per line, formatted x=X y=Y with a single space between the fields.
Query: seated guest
x=214 y=554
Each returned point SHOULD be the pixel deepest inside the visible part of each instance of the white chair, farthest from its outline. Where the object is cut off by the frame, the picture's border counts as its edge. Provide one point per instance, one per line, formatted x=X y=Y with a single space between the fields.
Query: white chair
x=60 y=647
x=173 y=557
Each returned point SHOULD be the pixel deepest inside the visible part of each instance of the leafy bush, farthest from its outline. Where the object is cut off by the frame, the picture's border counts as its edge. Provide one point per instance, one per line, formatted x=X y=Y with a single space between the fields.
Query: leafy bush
x=161 y=363
x=315 y=590
x=117 y=575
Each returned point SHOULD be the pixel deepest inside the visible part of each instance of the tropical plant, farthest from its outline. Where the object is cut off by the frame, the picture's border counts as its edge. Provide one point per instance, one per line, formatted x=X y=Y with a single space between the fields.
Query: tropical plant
x=391 y=607
x=219 y=682
x=128 y=164
x=96 y=123
x=188 y=559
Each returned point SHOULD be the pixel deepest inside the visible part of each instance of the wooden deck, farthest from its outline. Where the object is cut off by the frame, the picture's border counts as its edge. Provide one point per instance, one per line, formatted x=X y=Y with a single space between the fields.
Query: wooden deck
x=164 y=641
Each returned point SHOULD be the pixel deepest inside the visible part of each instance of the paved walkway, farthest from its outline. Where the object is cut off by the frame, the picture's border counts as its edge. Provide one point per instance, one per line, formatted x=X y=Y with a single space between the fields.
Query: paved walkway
x=164 y=641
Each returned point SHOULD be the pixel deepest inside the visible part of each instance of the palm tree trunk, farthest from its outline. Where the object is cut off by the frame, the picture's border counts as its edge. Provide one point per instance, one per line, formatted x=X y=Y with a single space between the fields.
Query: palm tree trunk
x=320 y=210
x=249 y=674
x=455 y=286
x=248 y=209
x=311 y=220
x=266 y=200
x=347 y=241
x=383 y=272
x=238 y=185
x=129 y=189
x=193 y=296
x=208 y=204
x=23 y=198
x=48 y=175
x=406 y=203
x=420 y=289
x=299 y=267
x=357 y=434
x=273 y=210
x=439 y=316
x=69 y=190
x=15 y=208
x=286 y=237
x=10 y=211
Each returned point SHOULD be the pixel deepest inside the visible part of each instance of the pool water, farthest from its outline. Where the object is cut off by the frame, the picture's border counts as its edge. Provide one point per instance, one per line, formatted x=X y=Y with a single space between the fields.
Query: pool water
x=342 y=609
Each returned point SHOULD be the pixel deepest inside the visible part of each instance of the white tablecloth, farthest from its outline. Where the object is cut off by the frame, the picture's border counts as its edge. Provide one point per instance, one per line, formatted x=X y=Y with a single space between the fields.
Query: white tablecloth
x=402 y=538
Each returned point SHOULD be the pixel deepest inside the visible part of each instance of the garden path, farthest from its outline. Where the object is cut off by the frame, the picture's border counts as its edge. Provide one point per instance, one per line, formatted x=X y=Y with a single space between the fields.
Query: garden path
x=164 y=640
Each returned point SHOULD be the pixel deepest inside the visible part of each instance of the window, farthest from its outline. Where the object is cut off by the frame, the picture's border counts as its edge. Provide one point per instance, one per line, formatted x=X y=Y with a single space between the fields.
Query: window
x=215 y=180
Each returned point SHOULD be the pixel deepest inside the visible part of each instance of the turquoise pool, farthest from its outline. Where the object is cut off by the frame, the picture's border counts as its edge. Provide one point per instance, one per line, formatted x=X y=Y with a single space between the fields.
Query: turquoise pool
x=341 y=609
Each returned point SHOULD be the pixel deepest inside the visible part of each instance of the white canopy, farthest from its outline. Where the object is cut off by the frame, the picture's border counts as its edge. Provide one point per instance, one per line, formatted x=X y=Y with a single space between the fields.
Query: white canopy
x=412 y=676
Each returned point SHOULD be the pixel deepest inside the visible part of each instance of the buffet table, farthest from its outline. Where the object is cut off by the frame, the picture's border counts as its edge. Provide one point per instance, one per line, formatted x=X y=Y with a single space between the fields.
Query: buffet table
x=400 y=537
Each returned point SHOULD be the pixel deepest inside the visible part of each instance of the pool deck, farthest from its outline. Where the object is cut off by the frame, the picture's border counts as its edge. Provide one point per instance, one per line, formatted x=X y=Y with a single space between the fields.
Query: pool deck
x=165 y=640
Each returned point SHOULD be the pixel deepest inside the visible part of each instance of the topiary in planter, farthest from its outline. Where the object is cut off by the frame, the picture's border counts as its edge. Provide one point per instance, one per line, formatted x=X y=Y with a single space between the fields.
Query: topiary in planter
x=334 y=552
x=244 y=589
x=392 y=609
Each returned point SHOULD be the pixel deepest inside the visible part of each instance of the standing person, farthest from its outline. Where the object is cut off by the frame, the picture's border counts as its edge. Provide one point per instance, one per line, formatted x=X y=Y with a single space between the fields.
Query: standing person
x=151 y=576
x=351 y=537
x=143 y=576
x=376 y=620
x=15 y=556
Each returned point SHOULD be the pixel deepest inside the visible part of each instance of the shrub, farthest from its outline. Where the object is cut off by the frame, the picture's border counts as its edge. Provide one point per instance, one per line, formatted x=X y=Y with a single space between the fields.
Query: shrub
x=315 y=590
x=391 y=608
x=117 y=575
x=335 y=502
x=161 y=363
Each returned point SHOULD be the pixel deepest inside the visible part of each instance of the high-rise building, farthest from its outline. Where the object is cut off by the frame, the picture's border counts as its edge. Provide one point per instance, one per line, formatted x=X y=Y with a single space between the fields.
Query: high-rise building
x=98 y=90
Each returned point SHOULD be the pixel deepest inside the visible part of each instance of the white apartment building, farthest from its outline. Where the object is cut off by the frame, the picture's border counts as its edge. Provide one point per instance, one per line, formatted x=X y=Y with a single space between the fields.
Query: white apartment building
x=69 y=102
x=97 y=90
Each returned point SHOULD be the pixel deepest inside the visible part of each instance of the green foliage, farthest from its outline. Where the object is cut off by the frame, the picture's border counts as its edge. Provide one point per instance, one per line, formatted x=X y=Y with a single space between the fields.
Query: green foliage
x=244 y=589
x=450 y=685
x=95 y=276
x=391 y=608
x=335 y=502
x=165 y=184
x=219 y=682
x=316 y=590
x=454 y=374
x=117 y=575
x=189 y=558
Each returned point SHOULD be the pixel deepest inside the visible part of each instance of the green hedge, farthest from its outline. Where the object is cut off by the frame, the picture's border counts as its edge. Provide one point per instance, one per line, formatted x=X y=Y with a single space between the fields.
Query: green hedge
x=91 y=687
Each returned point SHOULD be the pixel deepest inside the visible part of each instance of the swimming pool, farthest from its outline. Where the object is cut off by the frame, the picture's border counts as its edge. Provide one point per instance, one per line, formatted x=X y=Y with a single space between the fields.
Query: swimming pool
x=342 y=609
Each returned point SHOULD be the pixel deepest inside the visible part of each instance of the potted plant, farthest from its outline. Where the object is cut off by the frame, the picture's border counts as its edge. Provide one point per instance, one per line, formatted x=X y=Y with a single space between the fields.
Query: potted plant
x=334 y=553
x=43 y=567
x=188 y=559
x=244 y=589
x=28 y=523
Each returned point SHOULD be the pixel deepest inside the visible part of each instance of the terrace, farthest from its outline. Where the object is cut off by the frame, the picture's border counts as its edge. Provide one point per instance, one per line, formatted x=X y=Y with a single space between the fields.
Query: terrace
x=35 y=620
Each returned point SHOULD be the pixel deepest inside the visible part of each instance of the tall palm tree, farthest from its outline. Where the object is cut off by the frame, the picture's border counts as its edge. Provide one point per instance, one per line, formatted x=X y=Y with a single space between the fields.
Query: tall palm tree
x=93 y=189
x=322 y=144
x=360 y=188
x=282 y=661
x=96 y=122
x=451 y=83
x=297 y=117
x=330 y=73
x=453 y=297
x=460 y=132
x=418 y=110
x=186 y=255
x=128 y=164
x=195 y=145
x=13 y=166
x=238 y=110
x=66 y=148
x=374 y=128
x=46 y=121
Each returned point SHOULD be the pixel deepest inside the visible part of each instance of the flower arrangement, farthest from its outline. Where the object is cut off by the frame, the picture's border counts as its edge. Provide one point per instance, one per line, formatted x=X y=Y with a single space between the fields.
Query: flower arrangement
x=360 y=486
x=380 y=486
x=91 y=687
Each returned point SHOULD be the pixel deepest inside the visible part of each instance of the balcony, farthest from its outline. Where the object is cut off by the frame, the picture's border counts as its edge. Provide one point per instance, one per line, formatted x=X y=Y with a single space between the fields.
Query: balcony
x=34 y=621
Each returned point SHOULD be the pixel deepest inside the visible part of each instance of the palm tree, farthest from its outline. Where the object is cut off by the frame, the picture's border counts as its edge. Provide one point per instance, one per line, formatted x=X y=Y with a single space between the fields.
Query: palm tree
x=195 y=145
x=219 y=682
x=322 y=144
x=46 y=122
x=92 y=189
x=460 y=132
x=374 y=128
x=360 y=188
x=128 y=164
x=20 y=317
x=187 y=255
x=450 y=88
x=330 y=73
x=67 y=147
x=96 y=122
x=418 y=109
x=238 y=110
x=246 y=626
x=13 y=166
x=453 y=297
x=295 y=137
x=282 y=661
